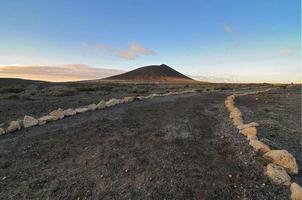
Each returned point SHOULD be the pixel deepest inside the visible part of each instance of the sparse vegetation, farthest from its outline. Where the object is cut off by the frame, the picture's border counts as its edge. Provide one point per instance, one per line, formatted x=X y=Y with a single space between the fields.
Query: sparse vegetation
x=62 y=92
x=12 y=90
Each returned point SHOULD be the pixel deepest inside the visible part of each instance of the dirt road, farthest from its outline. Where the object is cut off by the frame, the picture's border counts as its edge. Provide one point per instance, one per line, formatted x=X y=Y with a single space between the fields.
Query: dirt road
x=174 y=147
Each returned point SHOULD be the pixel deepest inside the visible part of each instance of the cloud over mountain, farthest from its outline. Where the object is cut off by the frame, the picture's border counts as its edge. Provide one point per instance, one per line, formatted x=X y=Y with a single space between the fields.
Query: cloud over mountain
x=133 y=50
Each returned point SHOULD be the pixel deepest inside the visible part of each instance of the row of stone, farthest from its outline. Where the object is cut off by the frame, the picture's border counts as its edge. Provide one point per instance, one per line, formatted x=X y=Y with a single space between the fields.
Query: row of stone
x=29 y=121
x=282 y=162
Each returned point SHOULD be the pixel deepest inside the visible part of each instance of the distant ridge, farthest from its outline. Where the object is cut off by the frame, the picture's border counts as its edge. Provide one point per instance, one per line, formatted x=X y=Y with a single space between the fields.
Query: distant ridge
x=152 y=73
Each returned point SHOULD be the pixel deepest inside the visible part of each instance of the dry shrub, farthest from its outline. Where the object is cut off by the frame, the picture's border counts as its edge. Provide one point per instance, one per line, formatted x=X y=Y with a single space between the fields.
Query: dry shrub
x=62 y=92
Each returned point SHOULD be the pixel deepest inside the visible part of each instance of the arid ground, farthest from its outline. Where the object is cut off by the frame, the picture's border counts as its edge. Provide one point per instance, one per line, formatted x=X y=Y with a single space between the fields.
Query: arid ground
x=173 y=147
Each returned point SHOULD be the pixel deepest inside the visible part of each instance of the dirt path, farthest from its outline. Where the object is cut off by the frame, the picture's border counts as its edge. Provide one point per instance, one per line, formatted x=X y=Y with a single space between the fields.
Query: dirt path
x=174 y=147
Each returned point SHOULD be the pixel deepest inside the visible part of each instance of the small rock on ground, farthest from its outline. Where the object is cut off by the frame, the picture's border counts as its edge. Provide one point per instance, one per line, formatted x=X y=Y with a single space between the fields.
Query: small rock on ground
x=13 y=126
x=47 y=118
x=58 y=113
x=296 y=191
x=277 y=174
x=29 y=121
x=250 y=131
x=69 y=112
x=284 y=159
x=101 y=104
x=259 y=146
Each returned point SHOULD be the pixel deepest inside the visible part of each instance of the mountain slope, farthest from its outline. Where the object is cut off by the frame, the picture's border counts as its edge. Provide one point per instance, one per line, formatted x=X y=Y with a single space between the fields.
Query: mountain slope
x=152 y=73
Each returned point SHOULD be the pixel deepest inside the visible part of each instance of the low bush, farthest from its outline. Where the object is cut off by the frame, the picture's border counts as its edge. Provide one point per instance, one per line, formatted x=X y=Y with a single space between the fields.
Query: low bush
x=62 y=92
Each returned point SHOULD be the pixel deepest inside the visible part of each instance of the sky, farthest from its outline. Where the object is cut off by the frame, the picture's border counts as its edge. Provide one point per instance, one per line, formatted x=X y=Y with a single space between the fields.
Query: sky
x=244 y=41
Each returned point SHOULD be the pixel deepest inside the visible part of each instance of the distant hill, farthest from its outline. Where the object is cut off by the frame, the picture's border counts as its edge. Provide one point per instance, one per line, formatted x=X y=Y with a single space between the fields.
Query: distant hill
x=152 y=73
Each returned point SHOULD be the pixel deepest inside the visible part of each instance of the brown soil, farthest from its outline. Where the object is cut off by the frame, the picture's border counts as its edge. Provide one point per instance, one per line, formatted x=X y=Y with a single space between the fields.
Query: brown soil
x=174 y=147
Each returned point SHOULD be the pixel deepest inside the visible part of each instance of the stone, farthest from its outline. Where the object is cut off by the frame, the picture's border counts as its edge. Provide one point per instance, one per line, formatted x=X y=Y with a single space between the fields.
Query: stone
x=69 y=112
x=47 y=118
x=29 y=121
x=250 y=131
x=2 y=131
x=231 y=97
x=141 y=97
x=92 y=107
x=277 y=174
x=237 y=121
x=243 y=126
x=284 y=159
x=20 y=123
x=112 y=102
x=235 y=113
x=259 y=146
x=296 y=191
x=101 y=104
x=150 y=96
x=128 y=99
x=81 y=110
x=13 y=126
x=58 y=113
x=252 y=137
x=229 y=105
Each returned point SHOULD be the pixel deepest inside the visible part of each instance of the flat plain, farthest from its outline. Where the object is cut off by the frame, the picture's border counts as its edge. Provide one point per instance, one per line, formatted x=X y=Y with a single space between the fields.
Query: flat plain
x=172 y=147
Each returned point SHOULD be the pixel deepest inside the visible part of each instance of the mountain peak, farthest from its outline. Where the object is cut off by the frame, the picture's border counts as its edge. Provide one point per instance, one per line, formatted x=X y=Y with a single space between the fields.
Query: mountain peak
x=152 y=73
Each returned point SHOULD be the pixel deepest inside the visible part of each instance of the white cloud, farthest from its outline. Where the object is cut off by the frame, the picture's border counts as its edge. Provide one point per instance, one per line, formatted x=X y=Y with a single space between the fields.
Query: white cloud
x=229 y=29
x=133 y=51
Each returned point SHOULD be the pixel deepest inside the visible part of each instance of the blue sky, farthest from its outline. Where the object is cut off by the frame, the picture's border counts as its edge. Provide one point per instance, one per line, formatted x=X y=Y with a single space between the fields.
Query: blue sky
x=255 y=40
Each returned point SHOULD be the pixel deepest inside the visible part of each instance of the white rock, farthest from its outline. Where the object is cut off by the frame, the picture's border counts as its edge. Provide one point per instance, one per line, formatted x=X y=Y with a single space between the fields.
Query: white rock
x=58 y=113
x=92 y=107
x=229 y=105
x=277 y=174
x=243 y=126
x=259 y=146
x=235 y=112
x=47 y=118
x=112 y=102
x=252 y=137
x=29 y=121
x=150 y=96
x=128 y=99
x=248 y=132
x=69 y=112
x=81 y=110
x=2 y=131
x=13 y=126
x=101 y=104
x=296 y=191
x=284 y=159
x=237 y=121
x=141 y=97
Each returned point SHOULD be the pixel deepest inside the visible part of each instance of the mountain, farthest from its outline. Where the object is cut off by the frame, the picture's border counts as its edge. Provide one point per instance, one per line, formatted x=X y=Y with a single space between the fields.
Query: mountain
x=57 y=73
x=152 y=73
